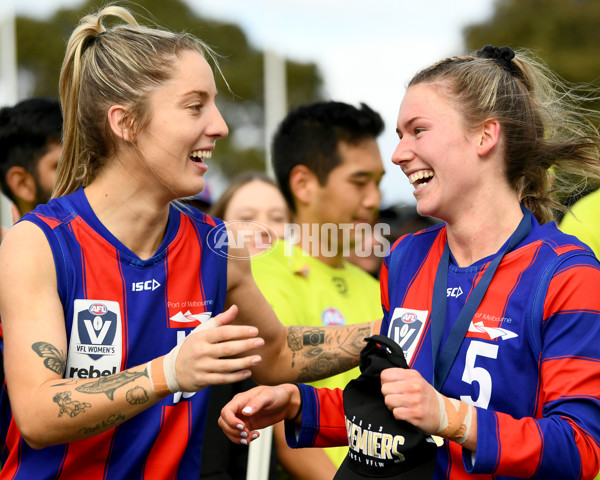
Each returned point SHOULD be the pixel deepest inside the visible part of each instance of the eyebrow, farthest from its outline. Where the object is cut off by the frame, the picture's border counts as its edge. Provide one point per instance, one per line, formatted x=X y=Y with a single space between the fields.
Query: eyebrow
x=200 y=93
x=409 y=123
x=366 y=173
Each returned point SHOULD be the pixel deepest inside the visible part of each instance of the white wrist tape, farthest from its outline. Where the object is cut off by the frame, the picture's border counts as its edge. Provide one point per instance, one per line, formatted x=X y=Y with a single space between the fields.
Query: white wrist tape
x=455 y=418
x=163 y=377
x=169 y=369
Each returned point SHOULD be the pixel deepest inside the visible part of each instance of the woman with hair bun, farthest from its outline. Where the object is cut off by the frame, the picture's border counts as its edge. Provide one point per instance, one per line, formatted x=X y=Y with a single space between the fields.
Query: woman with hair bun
x=119 y=305
x=496 y=310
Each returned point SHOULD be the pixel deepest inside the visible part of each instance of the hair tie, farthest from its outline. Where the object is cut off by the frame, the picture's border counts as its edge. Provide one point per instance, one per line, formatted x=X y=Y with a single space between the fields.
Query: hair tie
x=502 y=56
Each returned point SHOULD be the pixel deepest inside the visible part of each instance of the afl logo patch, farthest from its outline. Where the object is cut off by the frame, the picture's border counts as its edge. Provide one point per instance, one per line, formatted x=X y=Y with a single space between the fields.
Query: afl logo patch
x=406 y=329
x=409 y=317
x=98 y=309
x=332 y=316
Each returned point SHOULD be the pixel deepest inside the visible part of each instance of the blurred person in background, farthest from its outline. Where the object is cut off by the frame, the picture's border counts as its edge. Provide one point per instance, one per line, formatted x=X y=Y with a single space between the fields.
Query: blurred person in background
x=253 y=204
x=398 y=221
x=30 y=146
x=328 y=167
x=249 y=197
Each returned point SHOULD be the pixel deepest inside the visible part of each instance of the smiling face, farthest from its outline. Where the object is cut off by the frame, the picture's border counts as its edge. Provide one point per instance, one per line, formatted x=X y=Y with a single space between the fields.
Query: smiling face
x=184 y=126
x=436 y=153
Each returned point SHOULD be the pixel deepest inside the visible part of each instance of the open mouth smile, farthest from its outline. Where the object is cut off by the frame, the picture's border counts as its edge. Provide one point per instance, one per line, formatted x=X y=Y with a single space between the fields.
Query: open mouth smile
x=421 y=178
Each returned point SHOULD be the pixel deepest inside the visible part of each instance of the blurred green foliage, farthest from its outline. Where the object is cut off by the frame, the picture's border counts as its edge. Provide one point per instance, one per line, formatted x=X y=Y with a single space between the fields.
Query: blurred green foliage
x=563 y=33
x=41 y=46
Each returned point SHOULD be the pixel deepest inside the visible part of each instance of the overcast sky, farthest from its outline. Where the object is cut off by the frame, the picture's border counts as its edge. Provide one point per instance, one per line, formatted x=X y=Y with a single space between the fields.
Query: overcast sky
x=366 y=50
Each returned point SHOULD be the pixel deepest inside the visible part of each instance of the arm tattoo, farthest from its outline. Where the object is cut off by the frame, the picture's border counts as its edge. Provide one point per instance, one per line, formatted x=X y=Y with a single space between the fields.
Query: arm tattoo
x=136 y=396
x=326 y=351
x=104 y=425
x=69 y=406
x=353 y=342
x=54 y=359
x=324 y=365
x=108 y=385
x=294 y=340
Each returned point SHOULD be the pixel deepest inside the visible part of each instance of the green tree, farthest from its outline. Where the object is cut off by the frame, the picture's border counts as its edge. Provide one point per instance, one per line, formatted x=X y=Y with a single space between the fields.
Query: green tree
x=41 y=46
x=564 y=33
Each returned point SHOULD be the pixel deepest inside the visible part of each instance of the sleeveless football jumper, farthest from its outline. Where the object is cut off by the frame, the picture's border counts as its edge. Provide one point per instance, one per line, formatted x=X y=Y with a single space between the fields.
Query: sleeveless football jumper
x=122 y=311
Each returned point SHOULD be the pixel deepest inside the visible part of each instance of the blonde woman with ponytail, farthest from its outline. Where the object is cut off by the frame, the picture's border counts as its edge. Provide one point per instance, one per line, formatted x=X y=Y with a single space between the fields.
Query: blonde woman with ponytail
x=118 y=305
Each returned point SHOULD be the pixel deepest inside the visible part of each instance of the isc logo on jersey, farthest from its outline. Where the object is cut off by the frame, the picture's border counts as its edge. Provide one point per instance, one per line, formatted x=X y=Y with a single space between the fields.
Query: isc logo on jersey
x=406 y=328
x=148 y=285
x=95 y=343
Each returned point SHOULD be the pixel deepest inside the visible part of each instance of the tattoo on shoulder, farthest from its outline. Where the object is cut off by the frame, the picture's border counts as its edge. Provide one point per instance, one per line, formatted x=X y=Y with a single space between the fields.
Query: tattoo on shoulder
x=69 y=406
x=108 y=385
x=54 y=359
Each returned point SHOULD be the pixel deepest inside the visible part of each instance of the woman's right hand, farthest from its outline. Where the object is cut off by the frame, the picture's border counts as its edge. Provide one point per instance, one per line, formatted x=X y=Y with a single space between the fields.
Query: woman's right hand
x=218 y=355
x=258 y=408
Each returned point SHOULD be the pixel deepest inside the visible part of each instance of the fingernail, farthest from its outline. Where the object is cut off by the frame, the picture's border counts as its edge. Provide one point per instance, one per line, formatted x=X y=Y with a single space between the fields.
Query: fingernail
x=239 y=426
x=244 y=435
x=258 y=342
x=247 y=410
x=243 y=441
x=256 y=360
x=254 y=436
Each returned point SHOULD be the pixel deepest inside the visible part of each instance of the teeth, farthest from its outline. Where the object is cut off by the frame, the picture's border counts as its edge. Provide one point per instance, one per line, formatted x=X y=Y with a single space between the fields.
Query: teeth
x=421 y=174
x=201 y=154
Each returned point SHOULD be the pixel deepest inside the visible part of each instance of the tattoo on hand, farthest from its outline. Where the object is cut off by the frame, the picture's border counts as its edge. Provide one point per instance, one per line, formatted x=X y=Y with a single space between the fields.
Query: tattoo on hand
x=108 y=385
x=68 y=406
x=137 y=396
x=106 y=424
x=54 y=359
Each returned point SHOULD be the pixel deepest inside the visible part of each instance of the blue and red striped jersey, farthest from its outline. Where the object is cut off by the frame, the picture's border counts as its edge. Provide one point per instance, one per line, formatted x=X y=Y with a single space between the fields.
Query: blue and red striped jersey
x=122 y=311
x=529 y=363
